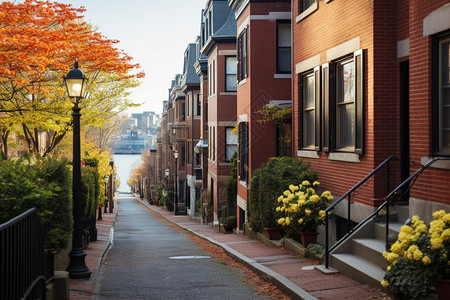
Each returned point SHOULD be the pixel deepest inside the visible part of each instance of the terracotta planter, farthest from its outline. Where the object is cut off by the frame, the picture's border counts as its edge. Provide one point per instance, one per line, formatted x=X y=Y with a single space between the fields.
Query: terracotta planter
x=308 y=238
x=273 y=233
x=442 y=288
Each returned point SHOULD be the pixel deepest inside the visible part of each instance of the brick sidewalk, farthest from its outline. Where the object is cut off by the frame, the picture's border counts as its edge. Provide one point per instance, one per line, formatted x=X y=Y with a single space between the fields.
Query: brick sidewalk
x=84 y=288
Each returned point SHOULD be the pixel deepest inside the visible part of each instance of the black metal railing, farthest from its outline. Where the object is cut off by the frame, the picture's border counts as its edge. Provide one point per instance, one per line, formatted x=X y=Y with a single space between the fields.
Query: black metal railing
x=348 y=196
x=398 y=192
x=22 y=257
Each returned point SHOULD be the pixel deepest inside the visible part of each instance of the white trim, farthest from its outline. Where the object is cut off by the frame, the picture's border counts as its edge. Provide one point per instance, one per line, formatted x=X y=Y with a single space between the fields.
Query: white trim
x=241 y=8
x=439 y=164
x=243 y=81
x=273 y=15
x=243 y=118
x=403 y=48
x=342 y=156
x=307 y=12
x=278 y=76
x=307 y=64
x=227 y=93
x=437 y=21
x=244 y=25
x=307 y=154
x=227 y=52
x=227 y=123
x=243 y=183
x=280 y=102
x=241 y=202
x=343 y=49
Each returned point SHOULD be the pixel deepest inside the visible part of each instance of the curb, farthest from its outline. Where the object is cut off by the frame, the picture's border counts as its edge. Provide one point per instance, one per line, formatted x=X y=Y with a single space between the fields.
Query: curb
x=271 y=276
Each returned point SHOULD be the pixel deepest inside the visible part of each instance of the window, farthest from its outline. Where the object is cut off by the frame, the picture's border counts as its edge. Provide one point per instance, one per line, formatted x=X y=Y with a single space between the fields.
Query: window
x=243 y=151
x=230 y=143
x=242 y=63
x=441 y=95
x=348 y=104
x=230 y=74
x=305 y=4
x=199 y=107
x=284 y=47
x=310 y=107
x=214 y=143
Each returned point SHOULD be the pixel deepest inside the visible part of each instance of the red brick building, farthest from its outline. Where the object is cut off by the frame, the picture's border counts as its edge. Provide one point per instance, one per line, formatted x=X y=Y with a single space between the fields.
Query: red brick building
x=264 y=78
x=218 y=45
x=366 y=87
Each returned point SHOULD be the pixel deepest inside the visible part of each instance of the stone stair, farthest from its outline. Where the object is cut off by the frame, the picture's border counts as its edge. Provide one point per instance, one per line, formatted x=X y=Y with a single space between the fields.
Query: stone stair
x=361 y=256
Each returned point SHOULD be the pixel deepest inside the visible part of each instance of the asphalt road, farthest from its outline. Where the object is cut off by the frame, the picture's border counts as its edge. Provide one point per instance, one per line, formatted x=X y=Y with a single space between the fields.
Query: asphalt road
x=150 y=260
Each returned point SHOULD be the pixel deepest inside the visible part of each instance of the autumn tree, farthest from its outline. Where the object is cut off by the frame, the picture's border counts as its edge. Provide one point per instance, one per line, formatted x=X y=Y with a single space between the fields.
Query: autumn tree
x=39 y=42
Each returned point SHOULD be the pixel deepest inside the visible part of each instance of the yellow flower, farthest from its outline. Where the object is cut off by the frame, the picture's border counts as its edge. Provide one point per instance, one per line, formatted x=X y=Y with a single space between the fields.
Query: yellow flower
x=384 y=283
x=287 y=193
x=326 y=194
x=301 y=202
x=422 y=228
x=300 y=221
x=426 y=260
x=285 y=200
x=281 y=221
x=278 y=209
x=294 y=207
x=288 y=221
x=388 y=268
x=316 y=183
x=392 y=257
x=446 y=234
x=446 y=218
x=291 y=196
x=330 y=198
x=436 y=243
x=322 y=214
x=280 y=198
x=314 y=198
x=417 y=255
x=439 y=214
x=306 y=183
x=406 y=229
x=397 y=248
x=308 y=212
x=293 y=188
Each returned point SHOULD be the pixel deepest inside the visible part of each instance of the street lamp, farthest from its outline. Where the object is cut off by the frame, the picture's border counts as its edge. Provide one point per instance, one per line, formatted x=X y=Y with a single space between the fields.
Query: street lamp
x=106 y=195
x=175 y=155
x=76 y=83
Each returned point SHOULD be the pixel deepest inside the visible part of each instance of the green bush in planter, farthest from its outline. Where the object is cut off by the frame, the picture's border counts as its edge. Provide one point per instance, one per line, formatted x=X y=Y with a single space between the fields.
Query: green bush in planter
x=268 y=182
x=231 y=221
x=44 y=183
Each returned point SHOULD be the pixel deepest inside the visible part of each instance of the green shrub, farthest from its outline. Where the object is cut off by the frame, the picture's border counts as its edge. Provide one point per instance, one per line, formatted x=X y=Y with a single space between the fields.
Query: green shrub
x=89 y=192
x=270 y=181
x=231 y=221
x=231 y=187
x=44 y=183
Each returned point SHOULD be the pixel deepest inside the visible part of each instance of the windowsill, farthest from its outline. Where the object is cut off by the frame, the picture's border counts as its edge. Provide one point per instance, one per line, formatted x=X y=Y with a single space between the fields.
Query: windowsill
x=243 y=81
x=440 y=164
x=347 y=157
x=227 y=93
x=308 y=154
x=282 y=76
x=243 y=183
x=307 y=12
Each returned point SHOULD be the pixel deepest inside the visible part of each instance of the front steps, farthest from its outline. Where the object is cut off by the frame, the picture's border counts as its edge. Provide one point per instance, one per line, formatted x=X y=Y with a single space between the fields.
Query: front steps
x=361 y=256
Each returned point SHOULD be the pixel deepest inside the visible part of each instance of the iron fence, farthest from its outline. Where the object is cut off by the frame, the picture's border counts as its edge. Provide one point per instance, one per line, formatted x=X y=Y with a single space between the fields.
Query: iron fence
x=22 y=258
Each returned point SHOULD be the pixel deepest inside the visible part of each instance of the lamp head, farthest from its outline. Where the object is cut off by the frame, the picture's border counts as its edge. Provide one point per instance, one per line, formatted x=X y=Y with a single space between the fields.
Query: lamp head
x=75 y=82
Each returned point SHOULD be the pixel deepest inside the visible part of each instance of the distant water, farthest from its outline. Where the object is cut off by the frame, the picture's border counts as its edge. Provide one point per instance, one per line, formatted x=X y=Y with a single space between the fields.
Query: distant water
x=125 y=163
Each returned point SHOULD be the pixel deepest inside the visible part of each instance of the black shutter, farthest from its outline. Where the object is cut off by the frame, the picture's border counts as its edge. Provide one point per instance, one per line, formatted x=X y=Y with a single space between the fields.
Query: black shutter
x=326 y=106
x=359 y=101
x=317 y=108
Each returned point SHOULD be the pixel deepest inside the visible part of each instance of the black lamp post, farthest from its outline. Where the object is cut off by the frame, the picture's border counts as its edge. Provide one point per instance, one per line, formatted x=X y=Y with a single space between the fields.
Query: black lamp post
x=106 y=195
x=175 y=155
x=76 y=83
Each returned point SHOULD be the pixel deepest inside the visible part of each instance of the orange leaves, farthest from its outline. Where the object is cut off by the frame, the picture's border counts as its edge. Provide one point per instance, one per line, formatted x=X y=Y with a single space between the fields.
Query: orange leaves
x=41 y=37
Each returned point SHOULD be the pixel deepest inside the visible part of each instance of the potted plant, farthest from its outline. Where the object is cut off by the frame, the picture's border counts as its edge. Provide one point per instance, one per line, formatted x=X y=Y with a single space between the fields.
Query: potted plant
x=230 y=223
x=303 y=210
x=418 y=260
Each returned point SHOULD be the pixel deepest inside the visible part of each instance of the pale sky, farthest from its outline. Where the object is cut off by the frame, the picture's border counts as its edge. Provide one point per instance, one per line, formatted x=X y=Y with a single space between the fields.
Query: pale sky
x=154 y=32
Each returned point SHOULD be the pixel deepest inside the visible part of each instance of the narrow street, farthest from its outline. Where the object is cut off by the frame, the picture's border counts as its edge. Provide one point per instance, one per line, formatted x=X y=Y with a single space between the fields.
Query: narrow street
x=151 y=260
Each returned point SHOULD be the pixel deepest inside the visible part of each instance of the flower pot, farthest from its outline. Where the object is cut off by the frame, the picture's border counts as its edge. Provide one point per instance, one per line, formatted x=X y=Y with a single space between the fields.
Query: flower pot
x=273 y=233
x=442 y=287
x=227 y=227
x=308 y=238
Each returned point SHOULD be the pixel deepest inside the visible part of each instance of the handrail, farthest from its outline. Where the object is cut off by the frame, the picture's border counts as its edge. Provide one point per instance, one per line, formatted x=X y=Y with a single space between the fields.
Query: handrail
x=348 y=195
x=373 y=214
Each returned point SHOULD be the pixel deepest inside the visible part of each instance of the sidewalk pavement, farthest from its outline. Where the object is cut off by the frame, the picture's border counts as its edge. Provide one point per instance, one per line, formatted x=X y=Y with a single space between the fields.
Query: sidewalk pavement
x=291 y=273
